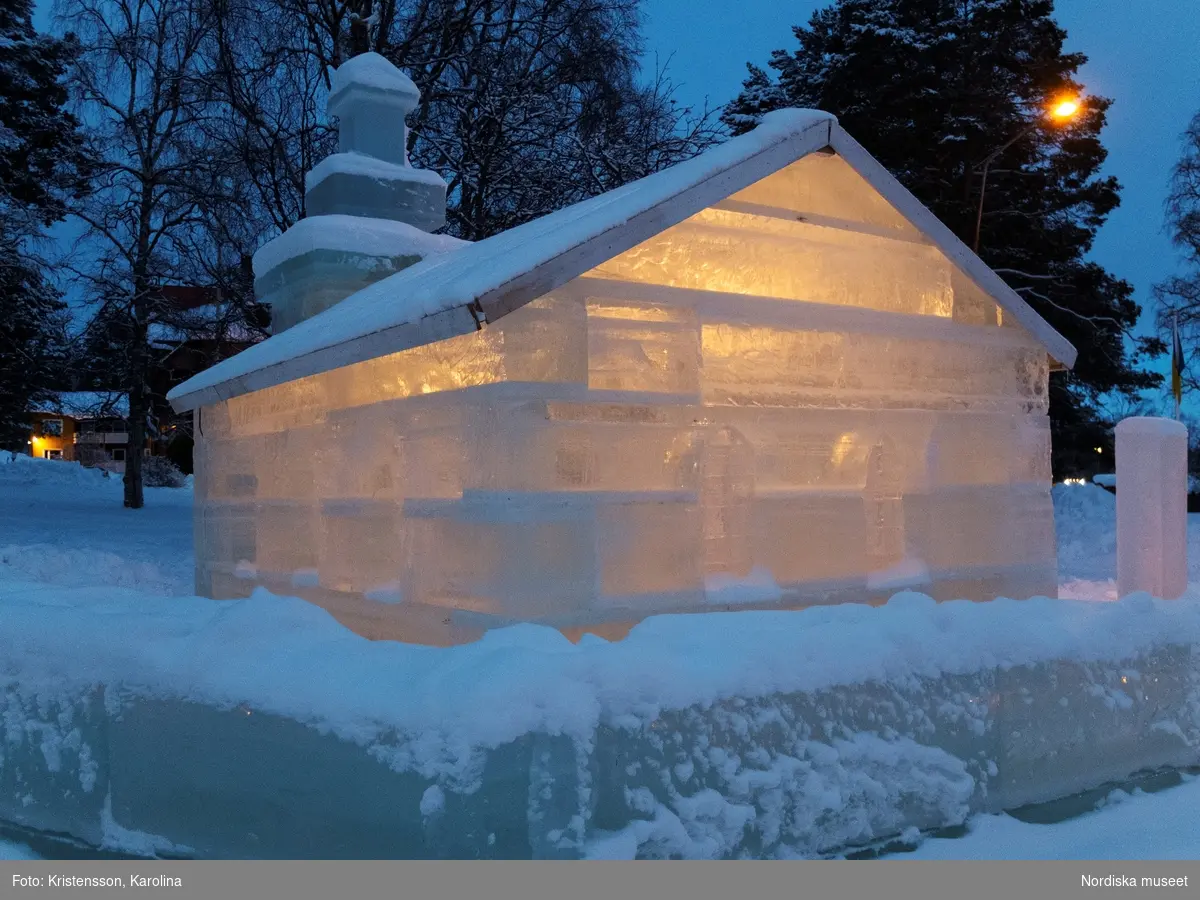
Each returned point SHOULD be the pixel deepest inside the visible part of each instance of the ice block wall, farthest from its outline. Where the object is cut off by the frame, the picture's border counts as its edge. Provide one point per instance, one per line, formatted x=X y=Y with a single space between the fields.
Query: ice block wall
x=791 y=397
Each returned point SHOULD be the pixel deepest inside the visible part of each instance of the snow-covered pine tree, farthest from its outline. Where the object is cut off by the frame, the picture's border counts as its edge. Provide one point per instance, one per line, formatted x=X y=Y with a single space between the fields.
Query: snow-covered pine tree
x=42 y=168
x=931 y=88
x=32 y=340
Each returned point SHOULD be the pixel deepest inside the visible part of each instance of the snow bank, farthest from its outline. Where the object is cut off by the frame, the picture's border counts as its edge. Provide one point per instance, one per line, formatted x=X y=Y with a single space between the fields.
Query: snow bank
x=19 y=469
x=84 y=567
x=1126 y=825
x=288 y=657
x=1085 y=522
x=11 y=851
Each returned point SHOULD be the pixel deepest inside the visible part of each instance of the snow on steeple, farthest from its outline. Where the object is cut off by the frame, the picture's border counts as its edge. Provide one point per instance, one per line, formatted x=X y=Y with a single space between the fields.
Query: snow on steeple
x=371 y=176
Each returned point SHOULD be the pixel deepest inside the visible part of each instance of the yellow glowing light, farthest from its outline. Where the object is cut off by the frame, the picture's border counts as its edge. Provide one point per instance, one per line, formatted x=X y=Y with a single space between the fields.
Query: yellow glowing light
x=1099 y=449
x=842 y=448
x=1065 y=109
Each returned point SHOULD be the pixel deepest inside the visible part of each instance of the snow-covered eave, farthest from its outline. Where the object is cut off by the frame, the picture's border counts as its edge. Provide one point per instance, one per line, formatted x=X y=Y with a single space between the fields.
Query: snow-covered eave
x=1060 y=349
x=613 y=235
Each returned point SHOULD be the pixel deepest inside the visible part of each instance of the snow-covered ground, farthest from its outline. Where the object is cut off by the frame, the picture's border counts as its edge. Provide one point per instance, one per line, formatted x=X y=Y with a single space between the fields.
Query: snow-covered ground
x=65 y=526
x=1125 y=825
x=9 y=850
x=1085 y=522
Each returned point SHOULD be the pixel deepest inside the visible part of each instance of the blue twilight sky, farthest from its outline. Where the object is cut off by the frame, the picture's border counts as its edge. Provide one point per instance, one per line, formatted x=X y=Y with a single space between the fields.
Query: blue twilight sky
x=1144 y=54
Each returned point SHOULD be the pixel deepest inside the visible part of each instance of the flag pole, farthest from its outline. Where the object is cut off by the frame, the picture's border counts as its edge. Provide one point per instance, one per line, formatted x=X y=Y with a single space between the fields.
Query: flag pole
x=1176 y=363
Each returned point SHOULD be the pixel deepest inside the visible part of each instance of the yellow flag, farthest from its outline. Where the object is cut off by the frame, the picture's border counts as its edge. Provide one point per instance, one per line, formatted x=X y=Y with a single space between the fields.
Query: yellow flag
x=1176 y=364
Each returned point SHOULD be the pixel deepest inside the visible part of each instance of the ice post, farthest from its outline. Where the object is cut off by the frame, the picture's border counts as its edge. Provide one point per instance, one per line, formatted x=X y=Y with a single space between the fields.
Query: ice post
x=1151 y=507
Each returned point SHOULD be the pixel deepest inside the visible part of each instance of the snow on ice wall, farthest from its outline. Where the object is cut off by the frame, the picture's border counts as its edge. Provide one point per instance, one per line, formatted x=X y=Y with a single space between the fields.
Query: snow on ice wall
x=261 y=728
x=789 y=397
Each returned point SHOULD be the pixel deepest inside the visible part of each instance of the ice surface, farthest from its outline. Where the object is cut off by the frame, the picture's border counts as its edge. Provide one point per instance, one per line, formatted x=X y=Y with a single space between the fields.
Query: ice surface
x=351 y=234
x=1152 y=506
x=597 y=455
x=368 y=210
x=823 y=188
x=370 y=98
x=789 y=398
x=540 y=246
x=368 y=167
x=9 y=851
x=820 y=265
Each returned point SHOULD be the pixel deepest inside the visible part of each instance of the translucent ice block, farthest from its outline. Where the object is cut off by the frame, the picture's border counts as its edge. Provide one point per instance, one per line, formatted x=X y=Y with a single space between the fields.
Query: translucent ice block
x=760 y=365
x=819 y=265
x=810 y=539
x=1152 y=506
x=825 y=185
x=648 y=549
x=628 y=353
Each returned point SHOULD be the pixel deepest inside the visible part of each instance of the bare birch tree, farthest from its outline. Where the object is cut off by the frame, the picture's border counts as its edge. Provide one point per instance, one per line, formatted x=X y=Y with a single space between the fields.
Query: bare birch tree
x=1179 y=296
x=527 y=105
x=141 y=93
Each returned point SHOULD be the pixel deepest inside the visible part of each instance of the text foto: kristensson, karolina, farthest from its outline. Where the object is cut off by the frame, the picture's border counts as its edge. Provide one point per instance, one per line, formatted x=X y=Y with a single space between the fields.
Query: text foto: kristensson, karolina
x=94 y=881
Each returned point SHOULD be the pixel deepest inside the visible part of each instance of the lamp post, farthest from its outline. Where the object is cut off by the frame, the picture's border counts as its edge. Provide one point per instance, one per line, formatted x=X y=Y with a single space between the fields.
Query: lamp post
x=1062 y=111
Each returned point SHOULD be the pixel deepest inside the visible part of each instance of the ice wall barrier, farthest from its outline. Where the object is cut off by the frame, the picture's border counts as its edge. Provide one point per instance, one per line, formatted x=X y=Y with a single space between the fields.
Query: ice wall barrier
x=261 y=728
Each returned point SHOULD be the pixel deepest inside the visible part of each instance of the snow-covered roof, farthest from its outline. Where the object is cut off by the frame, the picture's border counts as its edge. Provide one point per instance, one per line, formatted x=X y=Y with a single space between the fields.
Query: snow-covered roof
x=447 y=294
x=86 y=404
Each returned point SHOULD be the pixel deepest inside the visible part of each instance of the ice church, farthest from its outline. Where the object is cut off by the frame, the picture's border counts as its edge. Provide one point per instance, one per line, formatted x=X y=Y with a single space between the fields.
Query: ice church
x=766 y=377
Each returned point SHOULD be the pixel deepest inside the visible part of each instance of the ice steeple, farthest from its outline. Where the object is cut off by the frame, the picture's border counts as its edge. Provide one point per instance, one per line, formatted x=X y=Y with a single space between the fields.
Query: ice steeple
x=369 y=212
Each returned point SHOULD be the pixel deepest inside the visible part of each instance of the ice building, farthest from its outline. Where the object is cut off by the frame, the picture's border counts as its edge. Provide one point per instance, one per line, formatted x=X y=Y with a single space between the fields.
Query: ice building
x=764 y=377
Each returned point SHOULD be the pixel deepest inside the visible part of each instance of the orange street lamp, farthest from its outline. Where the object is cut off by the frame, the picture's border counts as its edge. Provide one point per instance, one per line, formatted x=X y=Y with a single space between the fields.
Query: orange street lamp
x=1062 y=111
x=1065 y=109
